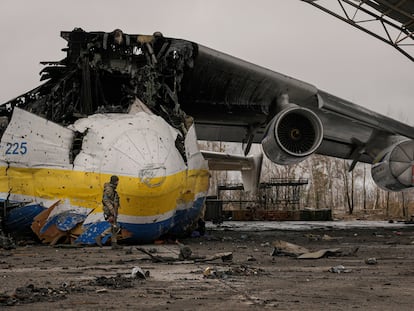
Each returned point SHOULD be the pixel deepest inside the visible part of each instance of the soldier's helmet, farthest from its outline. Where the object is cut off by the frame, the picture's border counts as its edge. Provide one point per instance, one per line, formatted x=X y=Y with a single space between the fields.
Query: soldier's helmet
x=114 y=180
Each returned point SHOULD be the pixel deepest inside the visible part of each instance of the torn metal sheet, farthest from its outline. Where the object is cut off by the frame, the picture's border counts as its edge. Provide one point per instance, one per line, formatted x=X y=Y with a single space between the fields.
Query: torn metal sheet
x=21 y=218
x=40 y=220
x=283 y=248
x=320 y=253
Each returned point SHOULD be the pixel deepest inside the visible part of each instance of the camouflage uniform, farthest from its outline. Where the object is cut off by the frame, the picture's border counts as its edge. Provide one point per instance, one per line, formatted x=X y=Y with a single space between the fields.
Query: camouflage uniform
x=110 y=201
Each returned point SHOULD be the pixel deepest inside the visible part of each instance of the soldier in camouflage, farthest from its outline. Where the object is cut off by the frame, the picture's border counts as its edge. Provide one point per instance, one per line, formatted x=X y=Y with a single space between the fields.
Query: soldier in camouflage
x=110 y=201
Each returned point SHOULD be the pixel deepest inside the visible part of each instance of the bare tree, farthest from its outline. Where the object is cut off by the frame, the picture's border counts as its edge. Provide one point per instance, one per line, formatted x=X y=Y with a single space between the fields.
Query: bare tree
x=349 y=193
x=404 y=206
x=364 y=189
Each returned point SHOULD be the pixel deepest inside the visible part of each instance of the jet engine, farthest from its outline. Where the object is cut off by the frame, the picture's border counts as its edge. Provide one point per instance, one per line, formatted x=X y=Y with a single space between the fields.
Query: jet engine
x=394 y=170
x=293 y=135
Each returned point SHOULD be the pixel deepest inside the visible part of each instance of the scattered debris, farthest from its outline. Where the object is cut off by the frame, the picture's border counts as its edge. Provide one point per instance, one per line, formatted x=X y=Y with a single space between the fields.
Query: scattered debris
x=207 y=272
x=339 y=269
x=226 y=256
x=40 y=220
x=128 y=251
x=187 y=257
x=158 y=258
x=31 y=293
x=327 y=237
x=114 y=282
x=313 y=237
x=185 y=252
x=6 y=242
x=347 y=253
x=317 y=237
x=138 y=273
x=68 y=246
x=244 y=237
x=321 y=253
x=242 y=270
x=283 y=248
x=371 y=261
x=101 y=290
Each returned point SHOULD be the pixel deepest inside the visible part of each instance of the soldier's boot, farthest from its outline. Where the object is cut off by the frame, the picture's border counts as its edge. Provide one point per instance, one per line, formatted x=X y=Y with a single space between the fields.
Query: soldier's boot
x=115 y=245
x=98 y=240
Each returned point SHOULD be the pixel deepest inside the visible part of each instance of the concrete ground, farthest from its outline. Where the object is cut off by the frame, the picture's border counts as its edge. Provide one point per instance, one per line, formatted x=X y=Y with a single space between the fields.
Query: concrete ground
x=375 y=261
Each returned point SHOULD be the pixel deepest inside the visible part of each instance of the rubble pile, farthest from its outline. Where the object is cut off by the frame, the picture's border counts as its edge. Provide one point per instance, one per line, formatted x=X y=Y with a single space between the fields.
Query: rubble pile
x=31 y=294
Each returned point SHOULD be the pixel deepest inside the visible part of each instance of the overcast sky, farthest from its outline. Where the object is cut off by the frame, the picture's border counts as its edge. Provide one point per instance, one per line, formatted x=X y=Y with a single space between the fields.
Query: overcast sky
x=287 y=36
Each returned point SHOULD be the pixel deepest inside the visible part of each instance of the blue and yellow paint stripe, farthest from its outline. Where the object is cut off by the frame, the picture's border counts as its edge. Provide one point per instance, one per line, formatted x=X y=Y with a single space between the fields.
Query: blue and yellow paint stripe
x=146 y=211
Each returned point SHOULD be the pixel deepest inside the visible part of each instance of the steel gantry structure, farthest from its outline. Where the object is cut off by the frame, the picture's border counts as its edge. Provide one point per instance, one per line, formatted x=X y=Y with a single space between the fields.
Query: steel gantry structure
x=391 y=21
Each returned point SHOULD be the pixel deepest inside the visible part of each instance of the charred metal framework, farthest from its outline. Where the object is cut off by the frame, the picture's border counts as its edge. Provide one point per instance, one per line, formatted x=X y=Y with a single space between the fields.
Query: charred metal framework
x=276 y=194
x=395 y=19
x=106 y=72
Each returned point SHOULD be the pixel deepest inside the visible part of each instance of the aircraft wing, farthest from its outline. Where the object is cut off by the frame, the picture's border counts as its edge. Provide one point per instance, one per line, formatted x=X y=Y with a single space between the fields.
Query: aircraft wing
x=229 y=100
x=249 y=166
x=236 y=101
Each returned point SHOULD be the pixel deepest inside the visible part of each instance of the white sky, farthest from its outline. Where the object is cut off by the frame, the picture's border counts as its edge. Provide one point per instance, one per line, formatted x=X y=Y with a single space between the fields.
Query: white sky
x=288 y=36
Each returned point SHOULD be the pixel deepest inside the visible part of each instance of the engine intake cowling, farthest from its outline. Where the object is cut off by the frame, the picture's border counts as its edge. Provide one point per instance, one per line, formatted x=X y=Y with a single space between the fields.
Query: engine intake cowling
x=394 y=169
x=293 y=135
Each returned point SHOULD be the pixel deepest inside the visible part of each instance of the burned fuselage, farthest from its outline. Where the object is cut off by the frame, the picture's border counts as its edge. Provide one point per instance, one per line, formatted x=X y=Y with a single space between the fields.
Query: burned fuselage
x=105 y=72
x=109 y=108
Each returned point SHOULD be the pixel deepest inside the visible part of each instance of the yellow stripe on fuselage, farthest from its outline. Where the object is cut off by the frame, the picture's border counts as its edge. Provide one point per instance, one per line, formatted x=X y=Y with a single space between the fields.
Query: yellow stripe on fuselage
x=84 y=189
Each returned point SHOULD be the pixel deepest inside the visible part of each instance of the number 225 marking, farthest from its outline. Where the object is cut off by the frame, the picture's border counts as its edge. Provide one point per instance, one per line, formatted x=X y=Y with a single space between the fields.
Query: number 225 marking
x=16 y=148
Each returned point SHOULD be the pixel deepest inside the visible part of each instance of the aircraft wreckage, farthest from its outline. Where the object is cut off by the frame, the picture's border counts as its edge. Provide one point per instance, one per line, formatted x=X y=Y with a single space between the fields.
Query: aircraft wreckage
x=110 y=107
x=134 y=106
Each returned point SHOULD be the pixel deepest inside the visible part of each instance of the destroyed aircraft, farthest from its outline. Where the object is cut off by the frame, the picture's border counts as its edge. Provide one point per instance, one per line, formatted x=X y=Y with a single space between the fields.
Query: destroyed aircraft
x=134 y=106
x=109 y=108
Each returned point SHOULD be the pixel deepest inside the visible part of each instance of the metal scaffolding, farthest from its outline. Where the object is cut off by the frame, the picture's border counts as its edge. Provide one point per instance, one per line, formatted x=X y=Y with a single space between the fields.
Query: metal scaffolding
x=394 y=17
x=276 y=194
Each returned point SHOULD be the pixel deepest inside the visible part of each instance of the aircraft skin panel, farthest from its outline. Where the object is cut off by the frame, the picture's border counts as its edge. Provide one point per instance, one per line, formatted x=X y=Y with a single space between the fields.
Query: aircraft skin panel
x=195 y=159
x=183 y=219
x=136 y=197
x=145 y=216
x=361 y=116
x=128 y=144
x=32 y=141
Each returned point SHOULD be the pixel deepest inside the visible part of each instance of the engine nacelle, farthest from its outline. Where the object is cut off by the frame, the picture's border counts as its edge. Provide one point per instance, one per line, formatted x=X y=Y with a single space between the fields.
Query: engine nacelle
x=294 y=134
x=394 y=169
